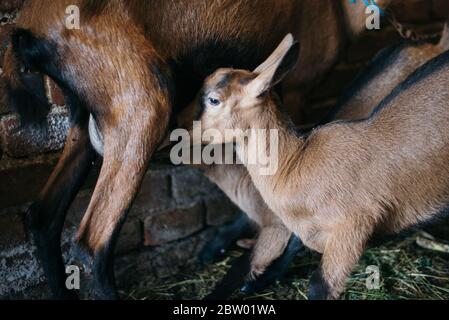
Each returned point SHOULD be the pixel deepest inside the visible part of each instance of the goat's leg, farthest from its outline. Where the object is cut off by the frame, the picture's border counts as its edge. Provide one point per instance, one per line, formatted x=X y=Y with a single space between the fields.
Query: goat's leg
x=236 y=182
x=45 y=218
x=275 y=267
x=343 y=250
x=233 y=279
x=269 y=260
x=270 y=245
x=225 y=238
x=128 y=147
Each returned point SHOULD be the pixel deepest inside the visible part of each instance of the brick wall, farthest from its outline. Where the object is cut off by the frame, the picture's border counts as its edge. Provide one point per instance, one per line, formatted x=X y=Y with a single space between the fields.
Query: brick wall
x=176 y=209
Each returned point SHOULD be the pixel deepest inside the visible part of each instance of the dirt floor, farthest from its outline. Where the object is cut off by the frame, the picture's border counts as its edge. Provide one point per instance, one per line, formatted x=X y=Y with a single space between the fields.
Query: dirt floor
x=411 y=267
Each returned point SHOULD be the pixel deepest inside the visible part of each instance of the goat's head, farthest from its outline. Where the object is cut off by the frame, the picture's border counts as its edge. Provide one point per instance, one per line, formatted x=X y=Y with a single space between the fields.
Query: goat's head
x=231 y=98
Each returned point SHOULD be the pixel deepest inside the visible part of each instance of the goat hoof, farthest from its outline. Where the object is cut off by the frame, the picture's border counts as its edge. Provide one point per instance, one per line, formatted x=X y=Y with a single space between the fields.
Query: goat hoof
x=248 y=288
x=318 y=288
x=81 y=256
x=210 y=255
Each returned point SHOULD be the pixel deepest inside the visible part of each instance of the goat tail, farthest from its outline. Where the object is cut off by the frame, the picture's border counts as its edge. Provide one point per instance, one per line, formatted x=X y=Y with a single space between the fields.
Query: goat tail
x=408 y=33
x=24 y=92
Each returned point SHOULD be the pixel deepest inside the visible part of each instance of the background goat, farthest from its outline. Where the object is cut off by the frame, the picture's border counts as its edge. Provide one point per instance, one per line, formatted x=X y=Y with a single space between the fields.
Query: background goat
x=386 y=71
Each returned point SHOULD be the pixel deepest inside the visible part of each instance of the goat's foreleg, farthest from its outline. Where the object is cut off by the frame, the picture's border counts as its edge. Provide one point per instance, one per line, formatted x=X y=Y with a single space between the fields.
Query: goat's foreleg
x=128 y=146
x=270 y=245
x=344 y=247
x=274 y=266
x=45 y=218
x=272 y=241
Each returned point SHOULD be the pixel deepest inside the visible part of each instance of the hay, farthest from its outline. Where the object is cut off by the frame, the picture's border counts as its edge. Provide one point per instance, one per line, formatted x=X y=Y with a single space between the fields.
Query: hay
x=407 y=271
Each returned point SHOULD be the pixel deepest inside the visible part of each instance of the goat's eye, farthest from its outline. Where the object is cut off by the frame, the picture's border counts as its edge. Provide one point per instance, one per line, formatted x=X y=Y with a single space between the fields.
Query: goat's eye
x=213 y=102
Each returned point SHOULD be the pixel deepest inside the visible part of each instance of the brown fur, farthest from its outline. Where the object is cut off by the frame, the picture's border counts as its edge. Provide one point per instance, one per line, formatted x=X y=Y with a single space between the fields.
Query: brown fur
x=122 y=64
x=236 y=183
x=347 y=180
x=117 y=47
x=234 y=179
x=359 y=105
x=229 y=177
x=393 y=69
x=273 y=235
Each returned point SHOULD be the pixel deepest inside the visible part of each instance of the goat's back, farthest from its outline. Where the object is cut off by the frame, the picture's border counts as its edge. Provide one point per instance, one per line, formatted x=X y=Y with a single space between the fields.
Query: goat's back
x=388 y=69
x=392 y=166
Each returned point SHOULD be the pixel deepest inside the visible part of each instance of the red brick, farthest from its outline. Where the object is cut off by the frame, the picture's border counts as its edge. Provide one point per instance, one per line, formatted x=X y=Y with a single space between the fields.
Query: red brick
x=5 y=31
x=78 y=208
x=154 y=194
x=12 y=229
x=130 y=237
x=191 y=184
x=10 y=5
x=173 y=225
x=3 y=108
x=220 y=211
x=21 y=181
x=25 y=142
x=54 y=93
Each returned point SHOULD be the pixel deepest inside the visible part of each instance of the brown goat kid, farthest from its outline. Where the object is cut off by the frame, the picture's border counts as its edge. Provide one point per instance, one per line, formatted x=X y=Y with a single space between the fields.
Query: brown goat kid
x=346 y=180
x=131 y=65
x=387 y=70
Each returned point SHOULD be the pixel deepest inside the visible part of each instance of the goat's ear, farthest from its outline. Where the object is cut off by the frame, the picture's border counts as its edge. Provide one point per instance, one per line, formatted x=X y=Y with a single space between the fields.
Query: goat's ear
x=276 y=67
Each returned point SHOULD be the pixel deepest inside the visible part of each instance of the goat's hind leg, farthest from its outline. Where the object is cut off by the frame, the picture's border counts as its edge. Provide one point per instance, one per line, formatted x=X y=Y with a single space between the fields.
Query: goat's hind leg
x=45 y=218
x=260 y=268
x=127 y=152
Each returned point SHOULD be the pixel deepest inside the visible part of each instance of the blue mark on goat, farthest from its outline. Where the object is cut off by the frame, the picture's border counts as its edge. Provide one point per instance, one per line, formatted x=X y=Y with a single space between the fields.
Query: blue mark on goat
x=369 y=3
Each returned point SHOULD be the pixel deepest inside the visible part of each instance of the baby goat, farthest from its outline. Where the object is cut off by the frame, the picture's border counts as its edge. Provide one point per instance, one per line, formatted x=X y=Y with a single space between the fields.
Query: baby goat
x=268 y=260
x=346 y=180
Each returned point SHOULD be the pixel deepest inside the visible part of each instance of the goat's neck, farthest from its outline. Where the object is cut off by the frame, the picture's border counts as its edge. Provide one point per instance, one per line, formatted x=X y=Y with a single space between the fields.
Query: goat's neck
x=288 y=149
